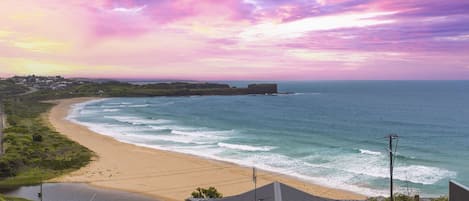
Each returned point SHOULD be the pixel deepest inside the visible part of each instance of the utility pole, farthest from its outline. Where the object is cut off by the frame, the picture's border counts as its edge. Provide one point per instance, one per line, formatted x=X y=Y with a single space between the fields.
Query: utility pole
x=254 y=179
x=391 y=164
x=40 y=194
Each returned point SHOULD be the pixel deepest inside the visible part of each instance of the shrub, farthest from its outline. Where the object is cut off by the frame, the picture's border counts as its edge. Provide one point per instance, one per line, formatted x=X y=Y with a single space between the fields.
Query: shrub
x=211 y=192
x=37 y=138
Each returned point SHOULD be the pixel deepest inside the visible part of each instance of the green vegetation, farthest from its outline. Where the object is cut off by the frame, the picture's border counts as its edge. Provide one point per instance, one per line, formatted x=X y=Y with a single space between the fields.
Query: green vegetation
x=402 y=197
x=120 y=89
x=210 y=192
x=8 y=198
x=442 y=198
x=33 y=151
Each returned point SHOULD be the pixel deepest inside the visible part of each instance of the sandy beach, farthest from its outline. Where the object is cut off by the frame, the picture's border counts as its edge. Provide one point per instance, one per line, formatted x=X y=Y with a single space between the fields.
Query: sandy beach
x=161 y=174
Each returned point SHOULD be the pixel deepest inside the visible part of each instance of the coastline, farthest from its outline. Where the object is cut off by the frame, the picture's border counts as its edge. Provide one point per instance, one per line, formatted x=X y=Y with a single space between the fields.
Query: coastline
x=163 y=175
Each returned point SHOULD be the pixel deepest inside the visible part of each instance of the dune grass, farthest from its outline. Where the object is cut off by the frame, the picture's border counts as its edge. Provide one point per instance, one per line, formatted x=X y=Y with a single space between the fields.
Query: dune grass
x=33 y=150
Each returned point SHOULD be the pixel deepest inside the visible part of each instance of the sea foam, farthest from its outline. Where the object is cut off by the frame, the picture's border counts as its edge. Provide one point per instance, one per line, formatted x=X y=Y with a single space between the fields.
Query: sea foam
x=137 y=120
x=364 y=151
x=243 y=147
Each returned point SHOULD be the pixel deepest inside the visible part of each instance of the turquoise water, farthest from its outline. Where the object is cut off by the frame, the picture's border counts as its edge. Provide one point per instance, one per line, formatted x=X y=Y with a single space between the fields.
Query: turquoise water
x=329 y=132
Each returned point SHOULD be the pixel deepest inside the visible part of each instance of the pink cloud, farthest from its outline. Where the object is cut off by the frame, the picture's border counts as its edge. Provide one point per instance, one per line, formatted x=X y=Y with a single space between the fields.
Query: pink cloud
x=238 y=39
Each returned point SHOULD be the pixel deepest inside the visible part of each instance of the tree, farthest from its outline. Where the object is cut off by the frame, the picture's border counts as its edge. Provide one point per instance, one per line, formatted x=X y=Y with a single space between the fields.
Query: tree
x=211 y=192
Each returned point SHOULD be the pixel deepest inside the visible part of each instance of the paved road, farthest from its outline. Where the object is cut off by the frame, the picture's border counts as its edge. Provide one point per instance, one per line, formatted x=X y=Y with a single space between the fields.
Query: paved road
x=31 y=90
x=75 y=192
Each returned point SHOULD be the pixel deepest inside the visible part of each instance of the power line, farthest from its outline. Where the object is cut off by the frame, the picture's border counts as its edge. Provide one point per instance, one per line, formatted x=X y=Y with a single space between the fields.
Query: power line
x=422 y=136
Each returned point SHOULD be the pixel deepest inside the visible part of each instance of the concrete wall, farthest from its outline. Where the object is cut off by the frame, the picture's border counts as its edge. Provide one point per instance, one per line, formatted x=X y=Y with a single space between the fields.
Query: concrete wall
x=458 y=192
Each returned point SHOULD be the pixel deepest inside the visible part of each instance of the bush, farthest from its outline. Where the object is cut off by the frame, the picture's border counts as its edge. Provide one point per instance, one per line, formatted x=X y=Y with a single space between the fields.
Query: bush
x=8 y=167
x=211 y=192
x=402 y=197
x=37 y=138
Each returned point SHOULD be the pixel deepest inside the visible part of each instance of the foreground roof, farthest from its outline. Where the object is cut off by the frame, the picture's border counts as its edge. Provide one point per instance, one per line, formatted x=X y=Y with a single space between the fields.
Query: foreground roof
x=275 y=192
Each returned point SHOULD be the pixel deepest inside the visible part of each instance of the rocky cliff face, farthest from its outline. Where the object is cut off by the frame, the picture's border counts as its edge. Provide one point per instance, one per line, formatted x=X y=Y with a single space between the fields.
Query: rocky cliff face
x=262 y=89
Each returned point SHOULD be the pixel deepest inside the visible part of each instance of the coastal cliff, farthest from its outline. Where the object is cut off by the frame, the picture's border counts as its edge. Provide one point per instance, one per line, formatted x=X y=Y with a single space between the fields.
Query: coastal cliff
x=124 y=89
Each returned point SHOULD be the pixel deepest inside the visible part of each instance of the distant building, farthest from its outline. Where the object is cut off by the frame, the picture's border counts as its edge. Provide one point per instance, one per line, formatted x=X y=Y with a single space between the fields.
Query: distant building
x=44 y=82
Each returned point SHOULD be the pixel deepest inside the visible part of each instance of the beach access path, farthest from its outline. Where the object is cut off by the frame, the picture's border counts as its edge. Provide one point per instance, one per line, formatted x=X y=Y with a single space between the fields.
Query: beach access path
x=167 y=176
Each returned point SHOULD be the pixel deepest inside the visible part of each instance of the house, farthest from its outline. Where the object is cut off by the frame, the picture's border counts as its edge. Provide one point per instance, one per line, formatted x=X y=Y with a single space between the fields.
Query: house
x=458 y=192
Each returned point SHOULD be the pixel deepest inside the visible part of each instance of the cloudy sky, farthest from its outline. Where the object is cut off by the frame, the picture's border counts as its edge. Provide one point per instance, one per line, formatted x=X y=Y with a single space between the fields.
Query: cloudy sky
x=236 y=39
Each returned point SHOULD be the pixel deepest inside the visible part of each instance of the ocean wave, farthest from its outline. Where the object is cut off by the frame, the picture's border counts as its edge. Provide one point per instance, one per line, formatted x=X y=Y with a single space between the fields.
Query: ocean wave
x=243 y=147
x=78 y=109
x=422 y=174
x=160 y=128
x=123 y=105
x=120 y=103
x=113 y=106
x=377 y=167
x=132 y=134
x=183 y=139
x=142 y=105
x=364 y=151
x=138 y=121
x=111 y=110
x=198 y=133
x=163 y=104
x=306 y=93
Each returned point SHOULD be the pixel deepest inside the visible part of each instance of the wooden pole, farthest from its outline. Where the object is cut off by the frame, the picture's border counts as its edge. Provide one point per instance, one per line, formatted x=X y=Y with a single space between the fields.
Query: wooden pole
x=40 y=194
x=390 y=168
x=254 y=179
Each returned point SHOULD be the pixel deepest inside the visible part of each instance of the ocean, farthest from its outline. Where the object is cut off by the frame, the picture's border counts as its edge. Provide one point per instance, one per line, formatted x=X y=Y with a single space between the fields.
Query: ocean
x=331 y=133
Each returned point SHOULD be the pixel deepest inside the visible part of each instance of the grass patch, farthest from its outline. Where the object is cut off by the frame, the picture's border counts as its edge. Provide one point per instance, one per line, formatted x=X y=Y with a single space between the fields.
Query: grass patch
x=8 y=198
x=29 y=176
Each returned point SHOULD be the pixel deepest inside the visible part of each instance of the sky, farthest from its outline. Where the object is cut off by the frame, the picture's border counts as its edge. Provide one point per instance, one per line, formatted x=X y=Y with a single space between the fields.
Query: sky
x=236 y=39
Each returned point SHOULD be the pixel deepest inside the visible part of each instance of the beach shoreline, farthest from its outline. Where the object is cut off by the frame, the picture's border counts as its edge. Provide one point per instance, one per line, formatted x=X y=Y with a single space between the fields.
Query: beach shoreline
x=164 y=175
